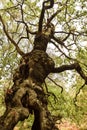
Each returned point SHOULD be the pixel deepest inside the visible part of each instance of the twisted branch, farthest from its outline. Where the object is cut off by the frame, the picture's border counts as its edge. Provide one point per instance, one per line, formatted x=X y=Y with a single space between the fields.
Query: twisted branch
x=44 y=7
x=75 y=66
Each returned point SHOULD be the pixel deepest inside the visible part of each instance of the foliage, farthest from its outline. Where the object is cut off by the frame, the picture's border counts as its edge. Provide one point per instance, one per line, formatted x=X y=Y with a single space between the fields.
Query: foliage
x=63 y=106
x=71 y=21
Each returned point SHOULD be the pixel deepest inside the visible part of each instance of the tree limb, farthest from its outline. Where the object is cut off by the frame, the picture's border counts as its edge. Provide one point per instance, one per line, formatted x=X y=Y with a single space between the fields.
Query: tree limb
x=66 y=37
x=48 y=6
x=56 y=83
x=41 y=20
x=44 y=7
x=8 y=36
x=61 y=50
x=52 y=16
x=75 y=66
x=58 y=41
x=64 y=68
x=22 y=14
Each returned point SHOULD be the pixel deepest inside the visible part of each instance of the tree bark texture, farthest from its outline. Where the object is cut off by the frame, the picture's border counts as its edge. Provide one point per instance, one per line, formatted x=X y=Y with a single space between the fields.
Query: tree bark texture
x=27 y=95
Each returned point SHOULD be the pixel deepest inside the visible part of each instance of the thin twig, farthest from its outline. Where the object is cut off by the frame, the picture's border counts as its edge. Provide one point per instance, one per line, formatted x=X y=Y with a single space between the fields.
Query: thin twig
x=75 y=99
x=9 y=37
x=56 y=83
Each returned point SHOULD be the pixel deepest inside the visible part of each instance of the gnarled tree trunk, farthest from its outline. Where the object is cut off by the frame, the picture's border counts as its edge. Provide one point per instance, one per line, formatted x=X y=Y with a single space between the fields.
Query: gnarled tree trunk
x=27 y=94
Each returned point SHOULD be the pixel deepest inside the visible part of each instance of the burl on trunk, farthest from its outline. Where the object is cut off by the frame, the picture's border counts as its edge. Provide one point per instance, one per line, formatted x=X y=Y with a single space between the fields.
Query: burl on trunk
x=27 y=94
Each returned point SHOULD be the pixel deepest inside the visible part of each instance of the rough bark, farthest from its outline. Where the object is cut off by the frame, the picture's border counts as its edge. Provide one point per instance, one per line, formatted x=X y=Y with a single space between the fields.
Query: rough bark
x=27 y=95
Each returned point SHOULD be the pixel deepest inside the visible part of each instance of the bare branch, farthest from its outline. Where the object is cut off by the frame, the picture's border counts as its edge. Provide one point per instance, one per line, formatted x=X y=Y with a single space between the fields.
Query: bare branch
x=27 y=29
x=61 y=50
x=12 y=7
x=48 y=6
x=53 y=16
x=41 y=20
x=64 y=68
x=44 y=7
x=75 y=99
x=21 y=39
x=75 y=66
x=58 y=41
x=56 y=83
x=66 y=37
x=51 y=93
x=23 y=21
x=8 y=36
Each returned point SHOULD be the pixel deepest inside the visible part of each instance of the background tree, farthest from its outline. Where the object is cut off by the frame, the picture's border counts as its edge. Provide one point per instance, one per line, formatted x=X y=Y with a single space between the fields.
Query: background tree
x=27 y=29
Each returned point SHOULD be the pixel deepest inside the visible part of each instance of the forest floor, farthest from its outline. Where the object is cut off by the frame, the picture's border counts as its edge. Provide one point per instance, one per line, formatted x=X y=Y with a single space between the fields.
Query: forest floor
x=67 y=125
x=63 y=125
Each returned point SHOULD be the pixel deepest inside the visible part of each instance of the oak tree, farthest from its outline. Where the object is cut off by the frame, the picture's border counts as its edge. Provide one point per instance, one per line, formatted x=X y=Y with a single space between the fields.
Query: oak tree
x=27 y=96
